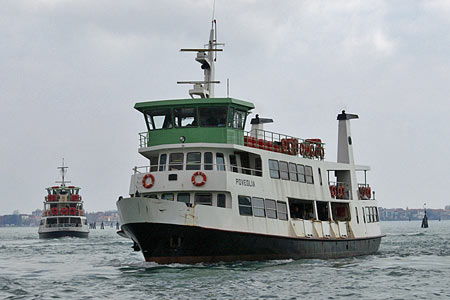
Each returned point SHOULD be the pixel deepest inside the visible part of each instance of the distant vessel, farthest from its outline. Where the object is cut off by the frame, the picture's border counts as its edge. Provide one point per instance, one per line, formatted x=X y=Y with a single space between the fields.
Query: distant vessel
x=215 y=192
x=63 y=213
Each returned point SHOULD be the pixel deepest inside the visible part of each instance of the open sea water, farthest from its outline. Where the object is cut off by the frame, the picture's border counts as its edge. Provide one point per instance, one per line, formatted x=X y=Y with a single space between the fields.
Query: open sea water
x=412 y=263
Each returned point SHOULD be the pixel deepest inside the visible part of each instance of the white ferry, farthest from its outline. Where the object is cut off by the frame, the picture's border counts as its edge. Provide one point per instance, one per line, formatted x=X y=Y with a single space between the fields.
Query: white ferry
x=63 y=213
x=215 y=192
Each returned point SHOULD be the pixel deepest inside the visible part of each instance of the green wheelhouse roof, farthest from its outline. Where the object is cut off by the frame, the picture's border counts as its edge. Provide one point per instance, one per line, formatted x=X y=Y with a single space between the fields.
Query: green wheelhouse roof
x=142 y=106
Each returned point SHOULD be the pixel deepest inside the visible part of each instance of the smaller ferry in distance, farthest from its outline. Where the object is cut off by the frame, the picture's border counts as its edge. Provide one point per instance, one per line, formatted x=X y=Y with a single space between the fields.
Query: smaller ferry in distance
x=213 y=191
x=63 y=213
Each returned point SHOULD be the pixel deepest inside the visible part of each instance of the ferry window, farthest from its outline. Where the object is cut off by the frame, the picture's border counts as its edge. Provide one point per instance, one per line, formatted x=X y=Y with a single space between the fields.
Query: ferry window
x=233 y=163
x=258 y=167
x=301 y=173
x=320 y=176
x=220 y=160
x=203 y=198
x=221 y=200
x=364 y=215
x=159 y=119
x=236 y=118
x=284 y=172
x=51 y=221
x=162 y=162
x=258 y=207
x=293 y=172
x=271 y=209
x=213 y=116
x=185 y=117
x=274 y=169
x=167 y=196
x=282 y=210
x=368 y=215
x=176 y=161
x=377 y=215
x=208 y=158
x=193 y=160
x=245 y=205
x=309 y=175
x=357 y=217
x=183 y=197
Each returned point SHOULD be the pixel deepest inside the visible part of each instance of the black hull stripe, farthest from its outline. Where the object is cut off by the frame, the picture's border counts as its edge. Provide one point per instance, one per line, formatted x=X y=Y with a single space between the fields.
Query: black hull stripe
x=59 y=234
x=166 y=243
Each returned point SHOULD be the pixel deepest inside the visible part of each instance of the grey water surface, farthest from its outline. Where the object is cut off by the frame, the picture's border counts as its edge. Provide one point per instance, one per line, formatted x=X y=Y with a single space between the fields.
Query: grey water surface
x=412 y=263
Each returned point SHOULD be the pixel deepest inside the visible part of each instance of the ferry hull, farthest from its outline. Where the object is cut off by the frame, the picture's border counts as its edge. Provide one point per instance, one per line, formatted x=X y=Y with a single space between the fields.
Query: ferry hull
x=60 y=234
x=167 y=243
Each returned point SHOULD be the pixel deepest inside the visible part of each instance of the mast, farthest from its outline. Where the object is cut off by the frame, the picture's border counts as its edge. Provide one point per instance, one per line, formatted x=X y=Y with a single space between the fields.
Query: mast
x=63 y=173
x=206 y=57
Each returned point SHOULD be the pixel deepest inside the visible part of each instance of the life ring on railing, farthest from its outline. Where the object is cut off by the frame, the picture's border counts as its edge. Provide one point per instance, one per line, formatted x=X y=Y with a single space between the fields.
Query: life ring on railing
x=333 y=191
x=72 y=211
x=54 y=211
x=368 y=192
x=144 y=180
x=302 y=149
x=194 y=176
x=341 y=192
x=293 y=146
x=64 y=210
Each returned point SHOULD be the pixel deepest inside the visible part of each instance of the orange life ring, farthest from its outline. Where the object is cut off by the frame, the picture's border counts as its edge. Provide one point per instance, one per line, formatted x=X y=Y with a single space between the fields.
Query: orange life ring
x=64 y=210
x=194 y=181
x=294 y=146
x=54 y=211
x=312 y=150
x=333 y=191
x=72 y=211
x=144 y=180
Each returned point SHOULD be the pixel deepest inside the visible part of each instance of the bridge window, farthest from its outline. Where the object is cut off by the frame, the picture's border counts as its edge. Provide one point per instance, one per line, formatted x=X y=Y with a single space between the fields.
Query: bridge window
x=245 y=205
x=258 y=207
x=236 y=118
x=213 y=116
x=167 y=196
x=193 y=161
x=233 y=163
x=159 y=119
x=176 y=161
x=185 y=117
x=274 y=169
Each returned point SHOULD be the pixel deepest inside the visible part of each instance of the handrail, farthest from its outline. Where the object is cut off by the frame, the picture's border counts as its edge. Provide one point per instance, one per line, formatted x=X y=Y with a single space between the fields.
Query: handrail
x=213 y=166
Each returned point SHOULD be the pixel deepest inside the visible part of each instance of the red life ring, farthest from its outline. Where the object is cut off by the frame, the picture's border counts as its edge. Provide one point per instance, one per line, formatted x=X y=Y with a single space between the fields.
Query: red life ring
x=368 y=192
x=54 y=211
x=312 y=150
x=294 y=146
x=72 y=211
x=144 y=181
x=302 y=149
x=333 y=191
x=194 y=181
x=64 y=210
x=341 y=192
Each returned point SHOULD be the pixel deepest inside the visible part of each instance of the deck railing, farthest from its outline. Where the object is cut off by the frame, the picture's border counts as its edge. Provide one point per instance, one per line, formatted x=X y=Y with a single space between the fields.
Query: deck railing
x=277 y=142
x=340 y=190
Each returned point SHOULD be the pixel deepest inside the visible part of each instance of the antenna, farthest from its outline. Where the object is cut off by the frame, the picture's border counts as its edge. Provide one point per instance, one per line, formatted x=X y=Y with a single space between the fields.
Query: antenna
x=214 y=10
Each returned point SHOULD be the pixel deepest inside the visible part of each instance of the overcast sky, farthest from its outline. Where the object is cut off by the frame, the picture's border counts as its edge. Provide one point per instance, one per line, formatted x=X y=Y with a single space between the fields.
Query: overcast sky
x=71 y=71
